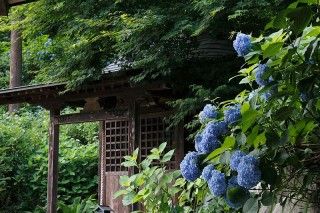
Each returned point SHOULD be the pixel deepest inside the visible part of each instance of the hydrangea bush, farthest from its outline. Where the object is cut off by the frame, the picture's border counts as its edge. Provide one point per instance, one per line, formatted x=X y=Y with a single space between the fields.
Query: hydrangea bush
x=263 y=148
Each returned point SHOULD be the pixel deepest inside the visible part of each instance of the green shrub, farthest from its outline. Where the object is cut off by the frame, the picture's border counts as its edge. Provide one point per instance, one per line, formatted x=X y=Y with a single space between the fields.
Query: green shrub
x=24 y=160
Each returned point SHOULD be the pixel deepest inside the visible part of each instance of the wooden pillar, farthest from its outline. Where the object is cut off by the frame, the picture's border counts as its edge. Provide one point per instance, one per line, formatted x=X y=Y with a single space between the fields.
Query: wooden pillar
x=15 y=64
x=3 y=8
x=178 y=140
x=134 y=126
x=102 y=164
x=134 y=134
x=53 y=154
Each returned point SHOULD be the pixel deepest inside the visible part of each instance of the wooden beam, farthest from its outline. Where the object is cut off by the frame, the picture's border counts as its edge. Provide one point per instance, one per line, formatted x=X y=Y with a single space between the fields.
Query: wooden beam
x=88 y=117
x=16 y=2
x=53 y=154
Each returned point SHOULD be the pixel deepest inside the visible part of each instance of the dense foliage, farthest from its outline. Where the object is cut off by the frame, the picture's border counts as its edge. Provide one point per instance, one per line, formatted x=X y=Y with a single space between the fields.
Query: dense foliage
x=24 y=160
x=258 y=149
x=152 y=185
x=262 y=147
x=67 y=43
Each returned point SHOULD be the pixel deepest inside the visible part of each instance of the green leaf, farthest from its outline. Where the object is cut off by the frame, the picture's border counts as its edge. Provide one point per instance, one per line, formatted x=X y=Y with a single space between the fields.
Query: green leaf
x=124 y=181
x=271 y=49
x=283 y=113
x=248 y=119
x=225 y=158
x=145 y=163
x=252 y=136
x=311 y=31
x=259 y=140
x=237 y=195
x=229 y=142
x=268 y=198
x=128 y=164
x=167 y=157
x=214 y=154
x=301 y=18
x=251 y=206
x=245 y=107
x=162 y=147
x=128 y=198
x=119 y=193
x=135 y=154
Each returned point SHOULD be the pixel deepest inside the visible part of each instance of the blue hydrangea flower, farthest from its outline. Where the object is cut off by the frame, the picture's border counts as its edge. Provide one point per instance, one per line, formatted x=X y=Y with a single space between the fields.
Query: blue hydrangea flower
x=216 y=128
x=207 y=144
x=207 y=172
x=249 y=174
x=235 y=159
x=190 y=166
x=260 y=71
x=232 y=114
x=217 y=183
x=242 y=44
x=197 y=141
x=249 y=160
x=268 y=94
x=202 y=117
x=210 y=111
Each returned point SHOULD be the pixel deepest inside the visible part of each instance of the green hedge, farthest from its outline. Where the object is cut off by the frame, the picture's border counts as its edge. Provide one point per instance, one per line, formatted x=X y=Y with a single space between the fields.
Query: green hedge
x=23 y=161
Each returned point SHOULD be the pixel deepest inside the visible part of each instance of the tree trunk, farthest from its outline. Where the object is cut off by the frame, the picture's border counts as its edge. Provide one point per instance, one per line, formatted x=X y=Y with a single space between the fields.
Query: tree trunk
x=15 y=64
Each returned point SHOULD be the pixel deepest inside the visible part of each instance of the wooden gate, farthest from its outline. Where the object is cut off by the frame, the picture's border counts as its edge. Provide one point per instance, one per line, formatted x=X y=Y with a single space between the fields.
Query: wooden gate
x=115 y=144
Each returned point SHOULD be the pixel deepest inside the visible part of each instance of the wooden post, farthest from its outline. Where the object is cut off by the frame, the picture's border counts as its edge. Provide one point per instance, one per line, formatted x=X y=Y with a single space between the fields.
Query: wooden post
x=3 y=8
x=15 y=64
x=102 y=164
x=178 y=140
x=53 y=154
x=134 y=126
x=134 y=134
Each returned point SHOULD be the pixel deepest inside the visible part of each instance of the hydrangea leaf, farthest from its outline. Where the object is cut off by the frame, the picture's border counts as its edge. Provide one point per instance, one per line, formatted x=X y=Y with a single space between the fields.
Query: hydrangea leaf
x=248 y=119
x=252 y=136
x=214 y=154
x=283 y=113
x=119 y=193
x=124 y=181
x=301 y=17
x=167 y=156
x=237 y=194
x=162 y=147
x=229 y=142
x=259 y=140
x=271 y=49
x=128 y=198
x=268 y=198
x=251 y=206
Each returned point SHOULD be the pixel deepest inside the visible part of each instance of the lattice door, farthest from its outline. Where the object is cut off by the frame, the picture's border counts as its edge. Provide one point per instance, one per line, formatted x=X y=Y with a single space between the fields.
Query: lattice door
x=153 y=133
x=117 y=144
x=116 y=147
